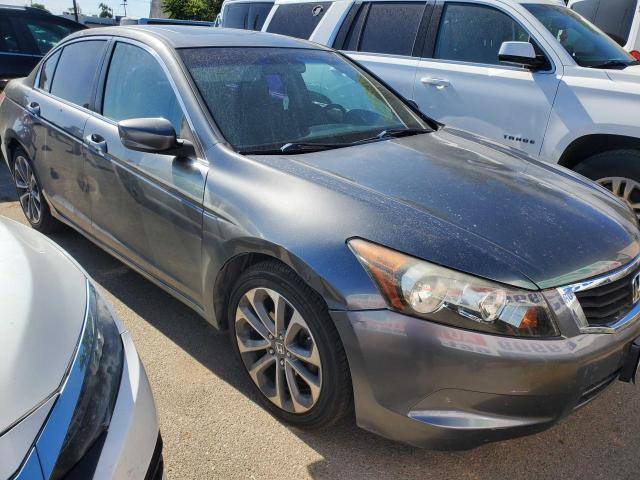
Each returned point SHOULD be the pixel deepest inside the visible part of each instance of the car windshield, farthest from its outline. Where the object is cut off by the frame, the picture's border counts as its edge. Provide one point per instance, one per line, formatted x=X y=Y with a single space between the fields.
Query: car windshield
x=589 y=46
x=266 y=100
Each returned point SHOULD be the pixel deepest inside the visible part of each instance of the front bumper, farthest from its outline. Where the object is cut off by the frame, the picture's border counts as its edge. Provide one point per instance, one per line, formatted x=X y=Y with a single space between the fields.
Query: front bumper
x=129 y=449
x=434 y=386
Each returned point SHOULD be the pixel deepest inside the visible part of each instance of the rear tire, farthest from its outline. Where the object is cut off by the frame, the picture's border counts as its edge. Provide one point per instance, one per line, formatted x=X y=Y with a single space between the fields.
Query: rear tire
x=287 y=352
x=29 y=190
x=618 y=171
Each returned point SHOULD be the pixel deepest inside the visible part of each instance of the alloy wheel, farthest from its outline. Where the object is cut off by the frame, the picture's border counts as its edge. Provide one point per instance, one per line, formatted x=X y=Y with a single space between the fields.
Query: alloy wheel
x=624 y=188
x=28 y=190
x=278 y=350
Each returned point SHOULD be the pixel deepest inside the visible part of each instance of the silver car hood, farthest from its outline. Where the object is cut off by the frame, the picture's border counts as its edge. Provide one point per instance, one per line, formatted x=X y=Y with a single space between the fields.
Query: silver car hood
x=43 y=299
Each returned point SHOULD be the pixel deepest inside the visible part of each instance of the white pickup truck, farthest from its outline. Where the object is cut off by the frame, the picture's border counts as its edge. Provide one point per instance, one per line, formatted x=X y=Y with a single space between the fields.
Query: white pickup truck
x=530 y=74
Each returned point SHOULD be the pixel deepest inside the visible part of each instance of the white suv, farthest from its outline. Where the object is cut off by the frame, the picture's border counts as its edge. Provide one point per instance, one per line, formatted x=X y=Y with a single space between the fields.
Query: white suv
x=529 y=74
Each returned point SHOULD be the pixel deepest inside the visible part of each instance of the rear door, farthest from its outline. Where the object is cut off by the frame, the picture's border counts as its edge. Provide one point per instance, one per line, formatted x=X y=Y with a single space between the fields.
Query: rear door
x=387 y=38
x=461 y=83
x=147 y=207
x=63 y=106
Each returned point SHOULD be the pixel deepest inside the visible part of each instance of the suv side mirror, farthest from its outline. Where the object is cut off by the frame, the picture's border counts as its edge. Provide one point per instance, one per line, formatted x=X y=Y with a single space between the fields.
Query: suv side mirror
x=153 y=135
x=521 y=54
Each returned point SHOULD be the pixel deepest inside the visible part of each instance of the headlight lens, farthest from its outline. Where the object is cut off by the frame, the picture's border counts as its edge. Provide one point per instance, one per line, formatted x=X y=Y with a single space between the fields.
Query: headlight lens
x=102 y=361
x=421 y=289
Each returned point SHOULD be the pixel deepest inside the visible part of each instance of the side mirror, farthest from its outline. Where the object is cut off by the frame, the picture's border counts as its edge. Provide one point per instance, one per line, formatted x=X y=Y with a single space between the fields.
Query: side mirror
x=153 y=135
x=521 y=54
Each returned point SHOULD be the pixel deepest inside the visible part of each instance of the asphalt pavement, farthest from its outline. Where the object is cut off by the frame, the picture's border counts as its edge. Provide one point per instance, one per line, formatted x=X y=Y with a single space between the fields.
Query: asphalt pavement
x=214 y=429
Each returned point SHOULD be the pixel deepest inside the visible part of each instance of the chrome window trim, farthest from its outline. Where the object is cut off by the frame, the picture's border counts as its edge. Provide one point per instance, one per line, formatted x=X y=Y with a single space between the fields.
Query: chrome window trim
x=573 y=304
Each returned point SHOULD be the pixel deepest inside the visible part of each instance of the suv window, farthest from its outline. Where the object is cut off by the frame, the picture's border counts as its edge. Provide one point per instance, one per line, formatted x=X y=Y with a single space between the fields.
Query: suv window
x=236 y=16
x=615 y=17
x=298 y=19
x=8 y=40
x=258 y=14
x=76 y=72
x=137 y=87
x=391 y=27
x=474 y=33
x=48 y=69
x=46 y=34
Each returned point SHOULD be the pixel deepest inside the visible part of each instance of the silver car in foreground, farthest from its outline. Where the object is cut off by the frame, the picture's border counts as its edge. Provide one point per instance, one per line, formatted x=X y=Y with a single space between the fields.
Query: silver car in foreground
x=75 y=401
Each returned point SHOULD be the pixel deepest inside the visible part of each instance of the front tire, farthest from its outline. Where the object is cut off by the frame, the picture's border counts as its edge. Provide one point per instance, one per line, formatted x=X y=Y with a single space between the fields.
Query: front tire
x=617 y=171
x=286 y=341
x=34 y=205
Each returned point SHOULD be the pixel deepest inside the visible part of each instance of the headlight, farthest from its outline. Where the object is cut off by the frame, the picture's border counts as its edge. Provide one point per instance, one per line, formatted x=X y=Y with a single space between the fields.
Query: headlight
x=421 y=289
x=101 y=354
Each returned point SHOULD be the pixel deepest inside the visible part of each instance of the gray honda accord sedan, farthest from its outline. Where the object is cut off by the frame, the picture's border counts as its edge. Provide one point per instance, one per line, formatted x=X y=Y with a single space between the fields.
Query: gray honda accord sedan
x=360 y=255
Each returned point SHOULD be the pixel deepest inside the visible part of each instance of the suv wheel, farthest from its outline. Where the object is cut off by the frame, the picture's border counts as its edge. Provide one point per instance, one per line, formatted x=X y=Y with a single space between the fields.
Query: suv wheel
x=289 y=347
x=32 y=201
x=617 y=171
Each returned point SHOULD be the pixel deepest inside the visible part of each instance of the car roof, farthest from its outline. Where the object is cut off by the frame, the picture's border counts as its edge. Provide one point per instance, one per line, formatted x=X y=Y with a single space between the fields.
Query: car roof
x=187 y=36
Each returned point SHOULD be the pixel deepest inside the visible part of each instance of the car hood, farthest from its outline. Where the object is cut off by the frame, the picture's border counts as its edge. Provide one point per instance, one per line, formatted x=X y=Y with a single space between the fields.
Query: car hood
x=43 y=297
x=468 y=203
x=629 y=74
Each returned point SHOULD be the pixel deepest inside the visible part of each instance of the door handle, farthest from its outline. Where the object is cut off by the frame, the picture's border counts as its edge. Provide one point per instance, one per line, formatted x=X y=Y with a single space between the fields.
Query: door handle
x=97 y=143
x=439 y=83
x=34 y=109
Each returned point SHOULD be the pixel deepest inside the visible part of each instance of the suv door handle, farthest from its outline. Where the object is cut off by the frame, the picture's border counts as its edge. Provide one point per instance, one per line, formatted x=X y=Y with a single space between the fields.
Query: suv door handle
x=97 y=143
x=439 y=83
x=34 y=109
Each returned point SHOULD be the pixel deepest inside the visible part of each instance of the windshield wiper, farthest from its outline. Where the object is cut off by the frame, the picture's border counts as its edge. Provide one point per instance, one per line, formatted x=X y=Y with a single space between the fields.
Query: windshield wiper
x=614 y=64
x=311 y=147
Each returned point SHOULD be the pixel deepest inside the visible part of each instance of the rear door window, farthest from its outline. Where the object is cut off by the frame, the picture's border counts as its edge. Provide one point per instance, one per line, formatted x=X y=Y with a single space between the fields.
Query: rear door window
x=475 y=33
x=392 y=27
x=236 y=16
x=76 y=72
x=8 y=38
x=48 y=69
x=298 y=20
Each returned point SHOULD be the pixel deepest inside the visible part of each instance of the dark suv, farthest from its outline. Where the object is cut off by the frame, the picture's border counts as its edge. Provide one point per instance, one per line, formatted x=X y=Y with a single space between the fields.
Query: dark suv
x=26 y=35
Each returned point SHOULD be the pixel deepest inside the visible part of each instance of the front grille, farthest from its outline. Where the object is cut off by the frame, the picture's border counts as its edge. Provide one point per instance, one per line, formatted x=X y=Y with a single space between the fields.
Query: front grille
x=606 y=304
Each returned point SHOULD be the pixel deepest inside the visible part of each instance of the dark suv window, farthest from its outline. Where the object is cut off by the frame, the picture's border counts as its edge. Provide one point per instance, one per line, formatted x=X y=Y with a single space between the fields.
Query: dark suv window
x=8 y=40
x=615 y=17
x=392 y=27
x=46 y=33
x=76 y=72
x=137 y=87
x=248 y=16
x=474 y=33
x=298 y=19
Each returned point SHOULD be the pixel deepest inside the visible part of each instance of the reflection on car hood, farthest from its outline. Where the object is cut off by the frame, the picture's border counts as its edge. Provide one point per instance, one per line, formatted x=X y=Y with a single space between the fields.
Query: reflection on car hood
x=43 y=298
x=553 y=226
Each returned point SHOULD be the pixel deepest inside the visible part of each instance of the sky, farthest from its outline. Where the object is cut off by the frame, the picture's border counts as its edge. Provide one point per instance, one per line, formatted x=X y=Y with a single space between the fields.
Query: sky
x=135 y=8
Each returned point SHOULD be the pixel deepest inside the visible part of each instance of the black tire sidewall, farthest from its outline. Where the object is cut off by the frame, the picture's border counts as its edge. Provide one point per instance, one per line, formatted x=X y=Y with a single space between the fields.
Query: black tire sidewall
x=328 y=408
x=615 y=163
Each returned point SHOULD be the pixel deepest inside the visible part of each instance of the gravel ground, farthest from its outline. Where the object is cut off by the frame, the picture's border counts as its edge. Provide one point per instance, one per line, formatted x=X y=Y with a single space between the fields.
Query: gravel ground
x=213 y=428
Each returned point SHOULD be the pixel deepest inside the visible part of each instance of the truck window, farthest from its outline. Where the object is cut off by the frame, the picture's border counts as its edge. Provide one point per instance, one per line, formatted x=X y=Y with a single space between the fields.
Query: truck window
x=391 y=27
x=474 y=33
x=298 y=19
x=614 y=17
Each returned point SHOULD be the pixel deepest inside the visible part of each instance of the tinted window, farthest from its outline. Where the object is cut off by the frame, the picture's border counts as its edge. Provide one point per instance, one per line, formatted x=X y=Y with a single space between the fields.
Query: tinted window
x=258 y=14
x=265 y=98
x=137 y=87
x=297 y=20
x=76 y=72
x=392 y=28
x=48 y=69
x=613 y=16
x=46 y=34
x=587 y=45
x=236 y=16
x=474 y=33
x=8 y=40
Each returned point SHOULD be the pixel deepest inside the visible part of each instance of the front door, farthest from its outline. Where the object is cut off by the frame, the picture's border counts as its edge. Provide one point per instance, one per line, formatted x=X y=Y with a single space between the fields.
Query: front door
x=147 y=207
x=465 y=86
